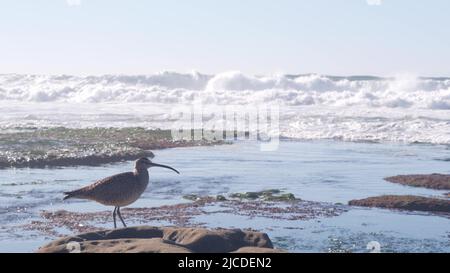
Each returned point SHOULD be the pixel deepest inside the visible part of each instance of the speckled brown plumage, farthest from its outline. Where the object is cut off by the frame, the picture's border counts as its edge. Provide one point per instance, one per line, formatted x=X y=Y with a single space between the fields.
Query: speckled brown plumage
x=118 y=190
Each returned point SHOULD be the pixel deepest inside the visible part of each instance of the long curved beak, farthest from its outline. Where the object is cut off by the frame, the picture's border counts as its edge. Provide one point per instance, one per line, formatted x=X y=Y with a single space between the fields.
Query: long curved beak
x=163 y=166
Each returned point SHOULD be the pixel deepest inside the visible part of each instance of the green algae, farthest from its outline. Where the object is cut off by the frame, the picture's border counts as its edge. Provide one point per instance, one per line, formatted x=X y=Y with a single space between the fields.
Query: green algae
x=272 y=195
x=51 y=147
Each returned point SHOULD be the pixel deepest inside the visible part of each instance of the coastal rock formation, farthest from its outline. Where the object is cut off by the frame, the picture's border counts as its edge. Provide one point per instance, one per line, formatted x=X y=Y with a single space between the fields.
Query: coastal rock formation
x=185 y=214
x=430 y=181
x=61 y=147
x=405 y=202
x=147 y=239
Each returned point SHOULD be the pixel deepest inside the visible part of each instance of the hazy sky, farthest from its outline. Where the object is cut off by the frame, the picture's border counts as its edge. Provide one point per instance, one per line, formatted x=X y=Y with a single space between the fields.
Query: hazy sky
x=253 y=36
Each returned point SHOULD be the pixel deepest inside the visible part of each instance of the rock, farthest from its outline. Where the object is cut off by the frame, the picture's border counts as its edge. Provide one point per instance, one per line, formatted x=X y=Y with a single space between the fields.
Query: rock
x=191 y=197
x=56 y=223
x=405 y=202
x=273 y=195
x=431 y=181
x=165 y=240
x=197 y=198
x=281 y=198
x=59 y=146
x=221 y=198
x=249 y=249
x=155 y=245
x=220 y=240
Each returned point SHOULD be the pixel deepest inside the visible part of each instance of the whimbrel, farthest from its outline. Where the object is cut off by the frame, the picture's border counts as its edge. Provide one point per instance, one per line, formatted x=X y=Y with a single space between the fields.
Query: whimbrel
x=119 y=190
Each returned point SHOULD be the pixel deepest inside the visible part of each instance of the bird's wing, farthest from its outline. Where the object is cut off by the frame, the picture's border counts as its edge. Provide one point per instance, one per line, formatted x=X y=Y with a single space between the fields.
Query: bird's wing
x=111 y=186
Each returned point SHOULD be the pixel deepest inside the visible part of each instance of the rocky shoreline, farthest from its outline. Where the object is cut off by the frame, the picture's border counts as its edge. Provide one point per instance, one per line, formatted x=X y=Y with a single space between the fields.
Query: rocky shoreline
x=430 y=181
x=145 y=239
x=184 y=214
x=405 y=202
x=411 y=202
x=186 y=235
x=60 y=147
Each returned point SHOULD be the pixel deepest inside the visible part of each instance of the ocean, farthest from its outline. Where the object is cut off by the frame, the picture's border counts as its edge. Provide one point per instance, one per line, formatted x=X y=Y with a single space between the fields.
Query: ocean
x=405 y=108
x=340 y=136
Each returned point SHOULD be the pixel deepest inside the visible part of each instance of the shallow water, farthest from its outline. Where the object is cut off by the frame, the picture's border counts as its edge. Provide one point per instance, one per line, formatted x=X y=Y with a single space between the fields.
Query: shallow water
x=326 y=171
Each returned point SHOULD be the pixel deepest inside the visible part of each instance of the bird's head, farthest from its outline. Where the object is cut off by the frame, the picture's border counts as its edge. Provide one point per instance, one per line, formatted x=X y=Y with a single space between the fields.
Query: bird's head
x=145 y=163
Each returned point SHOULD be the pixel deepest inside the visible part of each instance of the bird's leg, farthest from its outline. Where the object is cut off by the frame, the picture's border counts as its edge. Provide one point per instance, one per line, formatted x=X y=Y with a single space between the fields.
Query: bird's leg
x=114 y=217
x=120 y=217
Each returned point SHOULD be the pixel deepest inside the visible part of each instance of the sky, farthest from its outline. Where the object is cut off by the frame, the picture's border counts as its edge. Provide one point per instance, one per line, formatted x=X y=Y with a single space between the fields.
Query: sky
x=338 y=37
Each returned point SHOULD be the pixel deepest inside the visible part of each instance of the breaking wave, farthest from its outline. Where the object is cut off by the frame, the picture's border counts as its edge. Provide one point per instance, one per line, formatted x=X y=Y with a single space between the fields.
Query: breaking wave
x=404 y=108
x=232 y=87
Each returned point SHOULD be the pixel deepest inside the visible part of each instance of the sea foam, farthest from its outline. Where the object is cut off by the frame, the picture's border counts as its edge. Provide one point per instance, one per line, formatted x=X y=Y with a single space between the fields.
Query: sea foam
x=401 y=108
x=231 y=87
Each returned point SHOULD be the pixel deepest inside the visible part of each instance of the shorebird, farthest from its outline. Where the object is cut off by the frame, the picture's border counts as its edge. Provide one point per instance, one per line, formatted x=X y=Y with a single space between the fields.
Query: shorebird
x=119 y=190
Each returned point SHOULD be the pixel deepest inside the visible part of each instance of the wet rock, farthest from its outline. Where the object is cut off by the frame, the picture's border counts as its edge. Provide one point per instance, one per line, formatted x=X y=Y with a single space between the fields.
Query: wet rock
x=221 y=198
x=273 y=195
x=164 y=240
x=191 y=197
x=282 y=197
x=183 y=215
x=195 y=198
x=267 y=195
x=154 y=245
x=60 y=146
x=258 y=250
x=405 y=202
x=431 y=181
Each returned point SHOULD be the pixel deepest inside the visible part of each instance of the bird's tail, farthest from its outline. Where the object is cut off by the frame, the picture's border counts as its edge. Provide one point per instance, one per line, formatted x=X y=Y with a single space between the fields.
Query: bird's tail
x=68 y=195
x=71 y=194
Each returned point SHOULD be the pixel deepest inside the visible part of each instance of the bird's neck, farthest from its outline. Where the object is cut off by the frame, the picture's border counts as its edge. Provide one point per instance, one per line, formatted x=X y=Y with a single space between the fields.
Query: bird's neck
x=142 y=174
